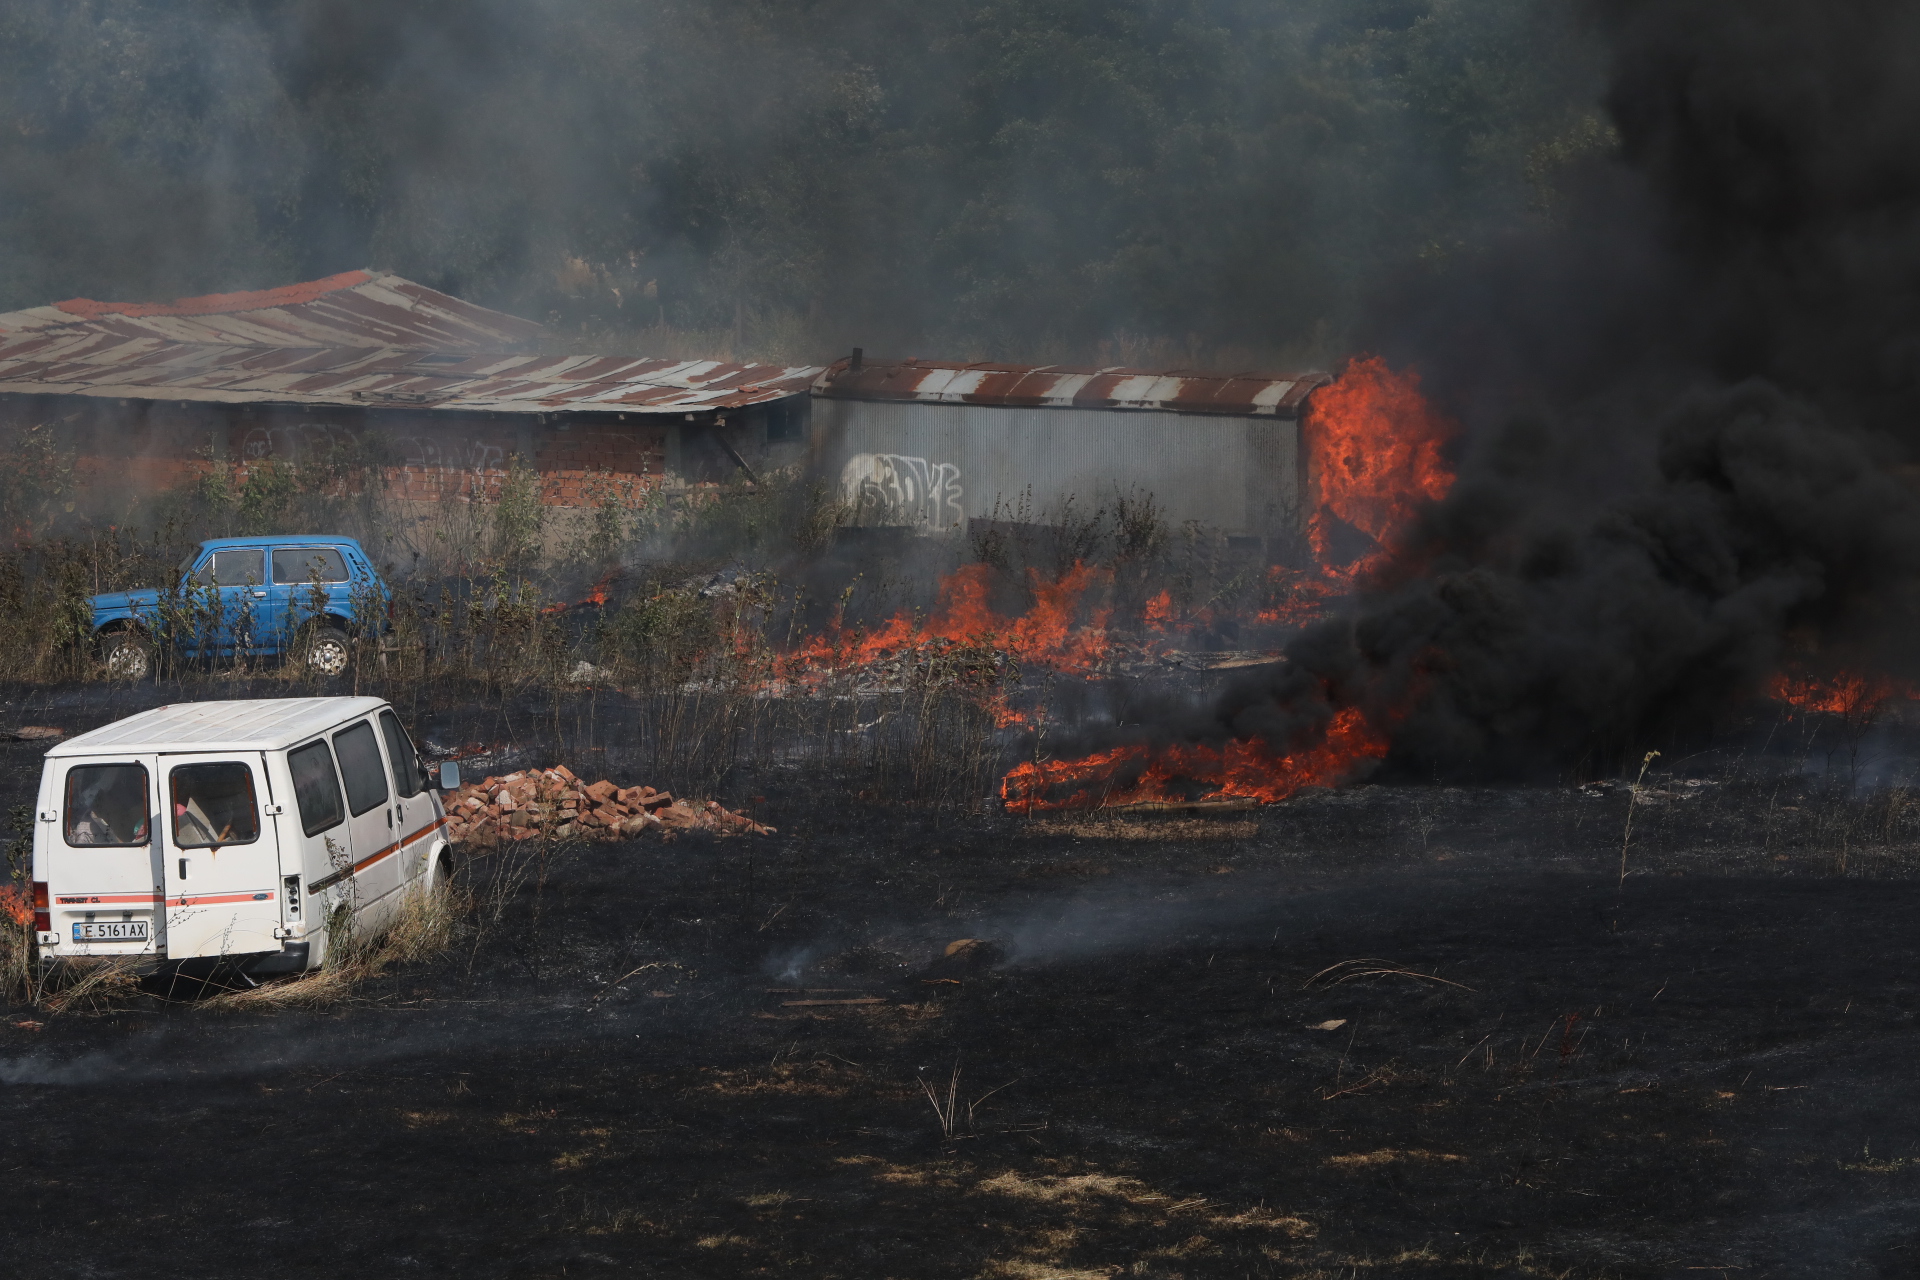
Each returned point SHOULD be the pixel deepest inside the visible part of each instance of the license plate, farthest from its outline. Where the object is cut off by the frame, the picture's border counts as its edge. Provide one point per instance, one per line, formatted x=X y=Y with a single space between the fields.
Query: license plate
x=111 y=931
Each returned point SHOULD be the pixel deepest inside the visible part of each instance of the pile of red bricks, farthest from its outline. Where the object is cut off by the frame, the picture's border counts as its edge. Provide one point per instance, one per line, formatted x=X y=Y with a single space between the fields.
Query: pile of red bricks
x=552 y=802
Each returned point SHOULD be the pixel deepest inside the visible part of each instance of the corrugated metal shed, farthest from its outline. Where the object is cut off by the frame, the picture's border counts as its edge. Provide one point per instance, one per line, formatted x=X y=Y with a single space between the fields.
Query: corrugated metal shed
x=345 y=342
x=352 y=309
x=1241 y=395
x=933 y=467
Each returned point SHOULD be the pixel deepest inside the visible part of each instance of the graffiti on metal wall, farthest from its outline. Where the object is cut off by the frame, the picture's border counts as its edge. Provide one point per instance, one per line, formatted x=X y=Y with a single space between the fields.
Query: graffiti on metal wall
x=892 y=489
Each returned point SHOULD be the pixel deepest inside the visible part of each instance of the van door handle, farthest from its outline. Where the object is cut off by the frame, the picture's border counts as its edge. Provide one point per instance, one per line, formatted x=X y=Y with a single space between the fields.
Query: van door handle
x=183 y=868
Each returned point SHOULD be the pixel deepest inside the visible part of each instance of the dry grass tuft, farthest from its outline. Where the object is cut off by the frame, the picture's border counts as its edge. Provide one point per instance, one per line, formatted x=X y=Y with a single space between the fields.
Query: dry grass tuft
x=1019 y=1269
x=1372 y=967
x=1391 y=1155
x=88 y=985
x=426 y=924
x=1126 y=829
x=1078 y=1187
x=16 y=951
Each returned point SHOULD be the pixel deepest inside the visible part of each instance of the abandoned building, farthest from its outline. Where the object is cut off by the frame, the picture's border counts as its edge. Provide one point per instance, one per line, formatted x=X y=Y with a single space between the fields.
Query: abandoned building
x=444 y=395
x=441 y=393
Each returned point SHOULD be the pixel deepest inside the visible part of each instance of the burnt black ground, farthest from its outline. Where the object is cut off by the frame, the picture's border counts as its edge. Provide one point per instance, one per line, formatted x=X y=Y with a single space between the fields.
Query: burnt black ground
x=1708 y=1070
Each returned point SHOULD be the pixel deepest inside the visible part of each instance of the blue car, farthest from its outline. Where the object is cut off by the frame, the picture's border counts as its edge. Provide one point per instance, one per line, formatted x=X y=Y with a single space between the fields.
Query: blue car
x=299 y=596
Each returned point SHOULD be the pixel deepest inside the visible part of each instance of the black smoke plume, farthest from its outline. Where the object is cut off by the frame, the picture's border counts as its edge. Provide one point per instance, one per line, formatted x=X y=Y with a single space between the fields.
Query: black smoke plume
x=1685 y=411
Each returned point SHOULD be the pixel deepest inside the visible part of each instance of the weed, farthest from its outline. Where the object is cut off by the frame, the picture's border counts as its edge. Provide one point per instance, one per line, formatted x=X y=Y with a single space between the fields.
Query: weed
x=425 y=924
x=947 y=1108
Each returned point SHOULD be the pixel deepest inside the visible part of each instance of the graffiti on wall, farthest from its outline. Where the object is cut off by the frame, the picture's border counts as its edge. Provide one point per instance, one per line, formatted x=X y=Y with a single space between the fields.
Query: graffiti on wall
x=446 y=457
x=892 y=489
x=294 y=441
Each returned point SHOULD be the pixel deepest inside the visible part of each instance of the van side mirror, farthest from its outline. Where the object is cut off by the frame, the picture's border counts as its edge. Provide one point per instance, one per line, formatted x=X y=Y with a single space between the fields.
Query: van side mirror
x=449 y=776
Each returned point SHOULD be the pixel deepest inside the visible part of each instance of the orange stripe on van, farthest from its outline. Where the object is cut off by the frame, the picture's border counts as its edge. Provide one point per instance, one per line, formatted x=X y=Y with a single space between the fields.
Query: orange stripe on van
x=150 y=899
x=201 y=899
x=372 y=858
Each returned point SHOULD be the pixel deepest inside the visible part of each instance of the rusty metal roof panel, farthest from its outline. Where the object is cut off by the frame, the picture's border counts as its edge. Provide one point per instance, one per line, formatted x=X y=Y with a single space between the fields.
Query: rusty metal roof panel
x=1061 y=386
x=352 y=309
x=73 y=361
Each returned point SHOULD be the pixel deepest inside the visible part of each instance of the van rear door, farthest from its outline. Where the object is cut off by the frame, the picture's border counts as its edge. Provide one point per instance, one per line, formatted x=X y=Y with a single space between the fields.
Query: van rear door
x=221 y=860
x=103 y=867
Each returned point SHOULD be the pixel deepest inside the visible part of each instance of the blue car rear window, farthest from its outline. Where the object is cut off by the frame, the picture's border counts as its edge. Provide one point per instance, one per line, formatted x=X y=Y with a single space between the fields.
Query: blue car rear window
x=308 y=564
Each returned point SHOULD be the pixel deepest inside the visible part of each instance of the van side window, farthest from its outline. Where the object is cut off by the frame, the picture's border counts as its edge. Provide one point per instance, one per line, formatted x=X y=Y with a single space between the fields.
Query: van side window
x=316 y=788
x=406 y=764
x=360 y=766
x=107 y=805
x=213 y=805
x=308 y=564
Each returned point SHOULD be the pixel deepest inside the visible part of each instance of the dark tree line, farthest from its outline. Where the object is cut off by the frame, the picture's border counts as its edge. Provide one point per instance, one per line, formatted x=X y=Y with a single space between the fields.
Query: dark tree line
x=998 y=177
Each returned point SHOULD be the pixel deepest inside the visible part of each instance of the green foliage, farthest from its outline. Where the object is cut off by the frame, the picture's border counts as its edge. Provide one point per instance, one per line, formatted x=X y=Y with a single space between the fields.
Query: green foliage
x=661 y=635
x=37 y=479
x=519 y=517
x=754 y=522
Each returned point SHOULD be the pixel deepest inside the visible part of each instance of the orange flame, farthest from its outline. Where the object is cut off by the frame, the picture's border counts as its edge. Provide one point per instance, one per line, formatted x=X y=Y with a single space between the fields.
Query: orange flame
x=1374 y=455
x=1242 y=769
x=15 y=905
x=1848 y=693
x=599 y=593
x=1296 y=598
x=1056 y=632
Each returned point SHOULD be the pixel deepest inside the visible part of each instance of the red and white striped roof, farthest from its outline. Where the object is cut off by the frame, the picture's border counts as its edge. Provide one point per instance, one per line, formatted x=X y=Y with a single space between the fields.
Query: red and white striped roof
x=352 y=340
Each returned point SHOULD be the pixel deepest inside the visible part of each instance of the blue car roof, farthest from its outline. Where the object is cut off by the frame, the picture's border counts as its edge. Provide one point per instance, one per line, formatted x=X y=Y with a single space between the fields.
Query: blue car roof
x=288 y=540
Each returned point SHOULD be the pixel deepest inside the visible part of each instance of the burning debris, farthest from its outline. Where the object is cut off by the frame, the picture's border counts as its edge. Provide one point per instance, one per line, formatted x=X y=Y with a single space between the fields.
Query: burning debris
x=1377 y=450
x=1848 y=694
x=553 y=802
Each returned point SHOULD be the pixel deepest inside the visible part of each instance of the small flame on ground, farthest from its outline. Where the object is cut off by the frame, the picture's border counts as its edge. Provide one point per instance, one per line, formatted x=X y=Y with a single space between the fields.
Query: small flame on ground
x=15 y=906
x=1245 y=769
x=598 y=594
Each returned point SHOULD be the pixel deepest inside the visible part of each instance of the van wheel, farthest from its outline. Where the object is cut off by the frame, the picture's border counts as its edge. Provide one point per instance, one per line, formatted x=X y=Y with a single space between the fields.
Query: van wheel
x=325 y=651
x=440 y=879
x=127 y=655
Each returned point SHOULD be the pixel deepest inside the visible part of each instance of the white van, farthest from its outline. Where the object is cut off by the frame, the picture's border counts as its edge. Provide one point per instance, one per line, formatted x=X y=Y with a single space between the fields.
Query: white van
x=232 y=831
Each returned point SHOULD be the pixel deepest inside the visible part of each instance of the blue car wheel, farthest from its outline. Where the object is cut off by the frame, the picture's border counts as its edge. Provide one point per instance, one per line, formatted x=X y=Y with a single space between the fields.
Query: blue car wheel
x=127 y=655
x=325 y=651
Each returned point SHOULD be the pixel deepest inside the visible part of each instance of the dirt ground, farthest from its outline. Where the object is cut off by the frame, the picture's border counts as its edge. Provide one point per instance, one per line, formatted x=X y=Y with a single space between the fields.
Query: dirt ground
x=1395 y=1030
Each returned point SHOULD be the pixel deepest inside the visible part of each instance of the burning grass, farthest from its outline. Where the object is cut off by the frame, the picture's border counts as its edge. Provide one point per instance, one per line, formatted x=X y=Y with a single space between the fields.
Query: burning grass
x=733 y=633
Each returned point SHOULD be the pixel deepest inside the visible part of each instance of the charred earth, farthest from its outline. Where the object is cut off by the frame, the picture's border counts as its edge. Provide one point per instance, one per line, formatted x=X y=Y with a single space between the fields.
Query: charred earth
x=1411 y=1029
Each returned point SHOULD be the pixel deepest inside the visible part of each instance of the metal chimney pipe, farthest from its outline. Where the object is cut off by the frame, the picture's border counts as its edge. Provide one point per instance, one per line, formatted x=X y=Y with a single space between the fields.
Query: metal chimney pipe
x=854 y=364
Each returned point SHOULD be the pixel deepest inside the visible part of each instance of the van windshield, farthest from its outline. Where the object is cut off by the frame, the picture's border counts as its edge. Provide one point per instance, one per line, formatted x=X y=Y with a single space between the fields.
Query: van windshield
x=107 y=805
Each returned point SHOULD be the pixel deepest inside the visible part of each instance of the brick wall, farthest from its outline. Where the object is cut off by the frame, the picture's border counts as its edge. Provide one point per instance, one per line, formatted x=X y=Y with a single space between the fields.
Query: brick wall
x=132 y=447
